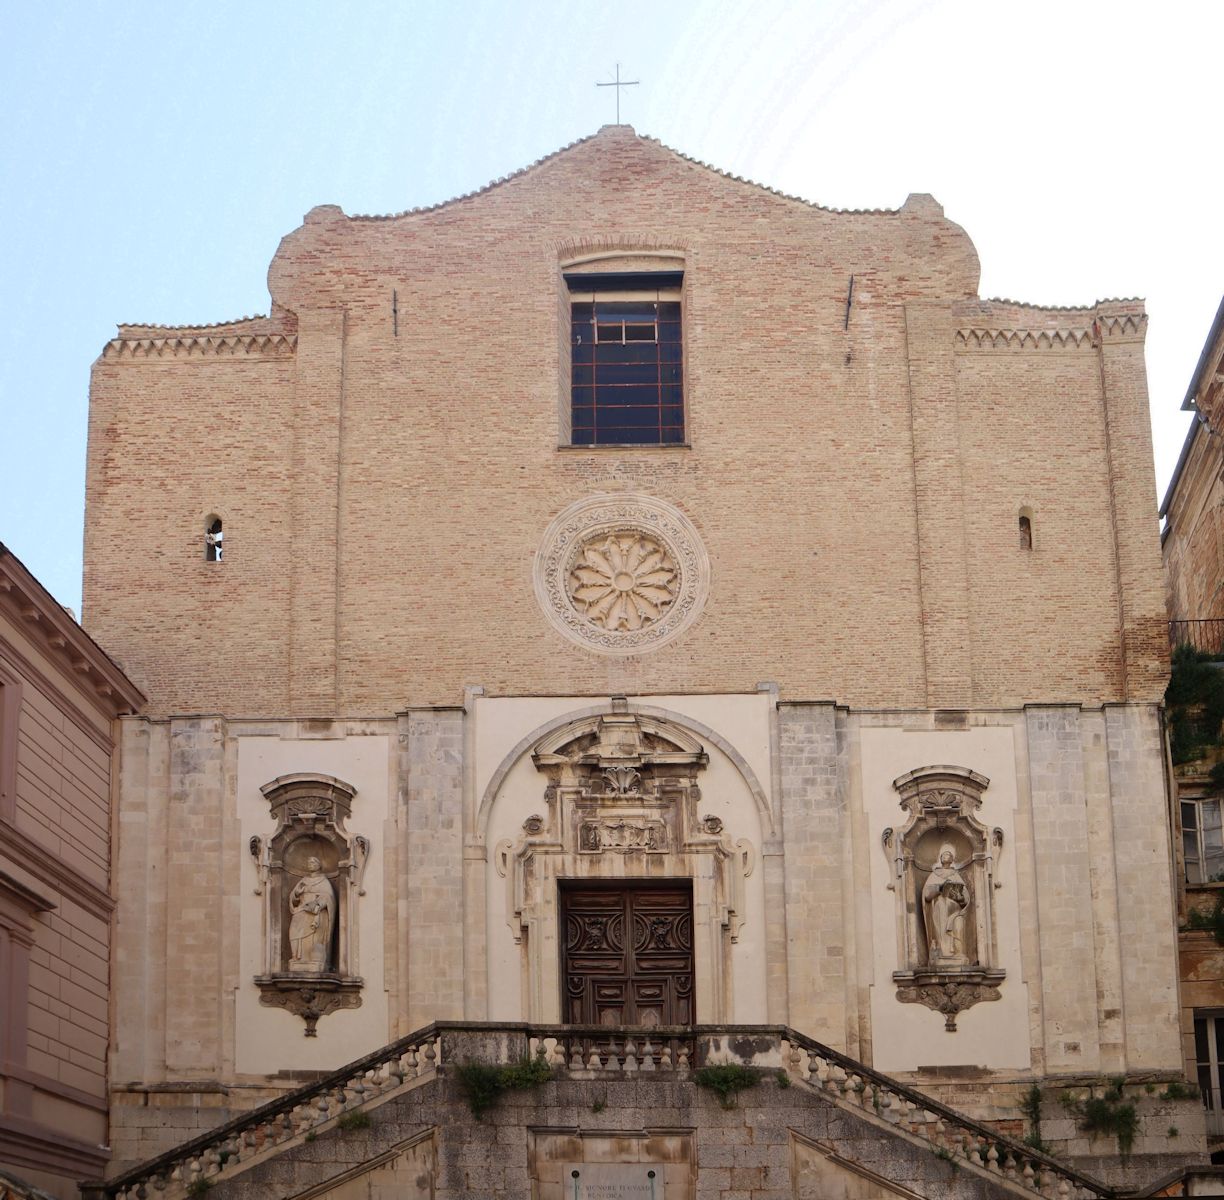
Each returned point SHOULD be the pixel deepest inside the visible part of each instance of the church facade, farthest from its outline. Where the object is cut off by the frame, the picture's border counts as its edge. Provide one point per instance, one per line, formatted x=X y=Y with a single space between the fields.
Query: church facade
x=627 y=596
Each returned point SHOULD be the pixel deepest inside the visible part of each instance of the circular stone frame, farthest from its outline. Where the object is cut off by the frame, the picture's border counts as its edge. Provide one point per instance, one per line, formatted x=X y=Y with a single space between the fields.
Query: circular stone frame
x=612 y=513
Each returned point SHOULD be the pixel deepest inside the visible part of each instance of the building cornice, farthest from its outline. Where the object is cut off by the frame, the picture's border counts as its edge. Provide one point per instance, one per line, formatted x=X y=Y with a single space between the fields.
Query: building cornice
x=227 y=345
x=81 y=658
x=1024 y=339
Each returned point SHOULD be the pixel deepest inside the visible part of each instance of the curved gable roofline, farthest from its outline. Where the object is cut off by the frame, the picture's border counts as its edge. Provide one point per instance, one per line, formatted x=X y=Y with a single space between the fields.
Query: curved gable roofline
x=614 y=131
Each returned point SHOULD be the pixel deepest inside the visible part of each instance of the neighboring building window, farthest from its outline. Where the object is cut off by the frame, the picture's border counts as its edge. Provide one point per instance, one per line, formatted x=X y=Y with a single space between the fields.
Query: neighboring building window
x=214 y=540
x=626 y=360
x=1202 y=841
x=1209 y=1060
x=1026 y=532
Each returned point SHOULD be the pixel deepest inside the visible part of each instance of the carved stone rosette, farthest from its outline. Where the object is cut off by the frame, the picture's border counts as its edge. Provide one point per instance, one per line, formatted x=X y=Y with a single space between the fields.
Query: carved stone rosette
x=941 y=869
x=310 y=877
x=621 y=574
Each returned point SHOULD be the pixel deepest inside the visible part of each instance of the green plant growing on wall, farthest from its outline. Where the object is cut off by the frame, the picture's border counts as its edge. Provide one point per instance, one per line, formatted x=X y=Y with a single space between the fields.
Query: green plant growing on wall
x=483 y=1083
x=1212 y=921
x=1030 y=1105
x=354 y=1120
x=199 y=1185
x=726 y=1081
x=1194 y=701
x=1177 y=1090
x=1110 y=1114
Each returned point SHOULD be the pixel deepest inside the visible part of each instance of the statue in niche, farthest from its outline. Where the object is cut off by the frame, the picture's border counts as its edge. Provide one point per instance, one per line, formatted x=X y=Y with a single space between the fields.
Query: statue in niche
x=945 y=906
x=942 y=875
x=311 y=874
x=312 y=904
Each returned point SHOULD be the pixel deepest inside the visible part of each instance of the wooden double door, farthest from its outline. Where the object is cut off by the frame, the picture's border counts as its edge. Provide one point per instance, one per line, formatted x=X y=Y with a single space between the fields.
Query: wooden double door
x=627 y=953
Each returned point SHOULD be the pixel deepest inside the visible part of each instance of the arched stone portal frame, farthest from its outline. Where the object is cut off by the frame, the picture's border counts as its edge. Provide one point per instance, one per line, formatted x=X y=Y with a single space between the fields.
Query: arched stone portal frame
x=534 y=828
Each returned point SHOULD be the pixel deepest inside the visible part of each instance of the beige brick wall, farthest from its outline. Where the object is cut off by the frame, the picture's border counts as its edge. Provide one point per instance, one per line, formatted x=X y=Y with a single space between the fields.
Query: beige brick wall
x=857 y=487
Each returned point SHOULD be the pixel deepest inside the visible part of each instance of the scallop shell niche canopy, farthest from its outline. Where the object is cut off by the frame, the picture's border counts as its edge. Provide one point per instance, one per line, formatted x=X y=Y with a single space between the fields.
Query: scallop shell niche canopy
x=621 y=574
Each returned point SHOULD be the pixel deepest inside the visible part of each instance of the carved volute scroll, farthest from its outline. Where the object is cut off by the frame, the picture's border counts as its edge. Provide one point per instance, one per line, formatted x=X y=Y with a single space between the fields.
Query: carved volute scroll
x=621 y=799
x=310 y=876
x=941 y=868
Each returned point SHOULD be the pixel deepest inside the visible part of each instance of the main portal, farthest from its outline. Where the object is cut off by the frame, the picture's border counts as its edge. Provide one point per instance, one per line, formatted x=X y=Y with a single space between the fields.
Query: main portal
x=627 y=953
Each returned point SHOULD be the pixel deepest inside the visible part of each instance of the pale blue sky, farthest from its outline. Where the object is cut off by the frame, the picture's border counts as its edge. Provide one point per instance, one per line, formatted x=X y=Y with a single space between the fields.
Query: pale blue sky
x=153 y=155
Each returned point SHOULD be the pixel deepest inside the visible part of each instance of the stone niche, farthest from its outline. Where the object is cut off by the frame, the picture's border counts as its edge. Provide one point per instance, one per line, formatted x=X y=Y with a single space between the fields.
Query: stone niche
x=310 y=877
x=942 y=871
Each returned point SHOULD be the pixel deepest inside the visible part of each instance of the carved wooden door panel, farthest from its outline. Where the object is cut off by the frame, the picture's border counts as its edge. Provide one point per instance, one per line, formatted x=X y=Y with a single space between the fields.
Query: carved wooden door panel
x=627 y=955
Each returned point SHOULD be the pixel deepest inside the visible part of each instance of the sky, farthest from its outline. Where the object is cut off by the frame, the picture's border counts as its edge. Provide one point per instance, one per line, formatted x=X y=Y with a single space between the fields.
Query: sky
x=153 y=155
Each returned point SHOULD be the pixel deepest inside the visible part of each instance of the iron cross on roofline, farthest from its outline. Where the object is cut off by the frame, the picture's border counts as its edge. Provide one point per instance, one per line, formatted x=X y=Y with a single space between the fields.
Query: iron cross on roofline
x=618 y=84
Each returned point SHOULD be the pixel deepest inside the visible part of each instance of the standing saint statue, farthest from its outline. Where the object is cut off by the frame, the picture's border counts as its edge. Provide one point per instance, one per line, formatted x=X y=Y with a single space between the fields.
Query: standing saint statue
x=313 y=905
x=945 y=906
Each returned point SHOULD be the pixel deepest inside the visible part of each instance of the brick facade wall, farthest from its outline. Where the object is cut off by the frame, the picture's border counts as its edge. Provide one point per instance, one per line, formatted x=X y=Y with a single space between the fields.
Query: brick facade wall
x=857 y=486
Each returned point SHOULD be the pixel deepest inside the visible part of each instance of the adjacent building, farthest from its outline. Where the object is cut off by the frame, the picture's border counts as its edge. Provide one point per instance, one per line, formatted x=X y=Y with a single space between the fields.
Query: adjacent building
x=1192 y=541
x=60 y=697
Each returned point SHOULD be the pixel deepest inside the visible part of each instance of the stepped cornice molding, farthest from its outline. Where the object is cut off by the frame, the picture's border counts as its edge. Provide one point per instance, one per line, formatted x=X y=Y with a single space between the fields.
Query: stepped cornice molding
x=258 y=345
x=1129 y=327
x=1024 y=339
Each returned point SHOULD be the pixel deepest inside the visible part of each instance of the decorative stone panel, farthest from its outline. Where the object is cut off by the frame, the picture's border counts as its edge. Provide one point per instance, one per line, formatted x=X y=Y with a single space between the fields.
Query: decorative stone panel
x=310 y=875
x=942 y=871
x=621 y=574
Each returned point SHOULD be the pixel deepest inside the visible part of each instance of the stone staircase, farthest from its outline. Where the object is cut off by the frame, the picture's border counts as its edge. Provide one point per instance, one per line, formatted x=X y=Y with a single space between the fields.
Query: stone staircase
x=805 y=1114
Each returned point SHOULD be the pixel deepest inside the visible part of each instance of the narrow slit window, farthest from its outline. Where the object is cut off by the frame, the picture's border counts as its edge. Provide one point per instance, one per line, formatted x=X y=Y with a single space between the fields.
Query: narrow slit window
x=1026 y=530
x=214 y=540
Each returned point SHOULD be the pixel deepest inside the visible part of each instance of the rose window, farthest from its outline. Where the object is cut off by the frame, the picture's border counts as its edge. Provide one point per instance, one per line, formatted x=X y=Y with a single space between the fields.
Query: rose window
x=623 y=581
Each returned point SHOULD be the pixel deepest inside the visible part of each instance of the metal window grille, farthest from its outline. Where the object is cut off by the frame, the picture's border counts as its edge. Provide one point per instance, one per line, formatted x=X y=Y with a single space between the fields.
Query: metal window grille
x=627 y=373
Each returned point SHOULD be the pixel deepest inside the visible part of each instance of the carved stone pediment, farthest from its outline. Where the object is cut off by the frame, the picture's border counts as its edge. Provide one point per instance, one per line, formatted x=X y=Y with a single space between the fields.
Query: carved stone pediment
x=941 y=868
x=621 y=790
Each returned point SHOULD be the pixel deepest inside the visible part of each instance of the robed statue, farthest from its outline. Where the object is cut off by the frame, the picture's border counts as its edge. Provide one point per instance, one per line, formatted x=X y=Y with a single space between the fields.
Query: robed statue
x=945 y=906
x=312 y=904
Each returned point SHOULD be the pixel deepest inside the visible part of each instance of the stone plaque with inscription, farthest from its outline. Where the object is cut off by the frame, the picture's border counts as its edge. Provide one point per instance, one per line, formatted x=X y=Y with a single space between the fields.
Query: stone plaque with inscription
x=612 y=1181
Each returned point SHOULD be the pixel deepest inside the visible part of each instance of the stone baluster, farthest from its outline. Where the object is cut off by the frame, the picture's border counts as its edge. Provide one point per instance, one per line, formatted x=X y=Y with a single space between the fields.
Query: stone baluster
x=575 y=1052
x=683 y=1061
x=648 y=1055
x=992 y=1158
x=631 y=1059
x=666 y=1061
x=594 y=1061
x=431 y=1055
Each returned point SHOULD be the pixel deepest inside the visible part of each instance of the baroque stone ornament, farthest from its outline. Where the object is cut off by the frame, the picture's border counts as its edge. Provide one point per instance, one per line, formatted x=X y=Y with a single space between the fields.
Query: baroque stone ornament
x=311 y=872
x=621 y=573
x=941 y=868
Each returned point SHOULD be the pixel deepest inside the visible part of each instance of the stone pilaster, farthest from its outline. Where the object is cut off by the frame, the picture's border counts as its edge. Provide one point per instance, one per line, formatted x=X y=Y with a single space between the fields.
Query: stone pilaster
x=193 y=882
x=314 y=514
x=939 y=501
x=1132 y=489
x=1063 y=850
x=814 y=816
x=1146 y=920
x=431 y=889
